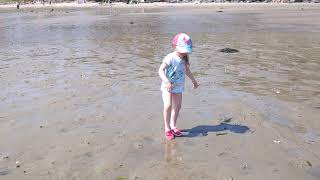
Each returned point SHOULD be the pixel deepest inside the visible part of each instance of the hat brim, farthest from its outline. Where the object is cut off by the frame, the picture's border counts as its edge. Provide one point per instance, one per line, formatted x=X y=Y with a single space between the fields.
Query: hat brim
x=184 y=49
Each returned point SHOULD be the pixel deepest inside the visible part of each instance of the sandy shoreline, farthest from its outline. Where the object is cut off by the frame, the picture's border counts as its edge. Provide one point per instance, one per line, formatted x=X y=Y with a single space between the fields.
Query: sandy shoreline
x=164 y=5
x=80 y=94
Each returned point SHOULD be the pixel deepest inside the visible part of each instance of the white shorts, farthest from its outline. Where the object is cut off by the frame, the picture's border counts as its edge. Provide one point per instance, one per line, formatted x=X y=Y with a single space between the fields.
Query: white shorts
x=177 y=88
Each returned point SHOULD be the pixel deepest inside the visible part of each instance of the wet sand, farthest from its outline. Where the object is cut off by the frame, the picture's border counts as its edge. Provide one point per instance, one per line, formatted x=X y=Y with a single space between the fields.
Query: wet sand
x=80 y=94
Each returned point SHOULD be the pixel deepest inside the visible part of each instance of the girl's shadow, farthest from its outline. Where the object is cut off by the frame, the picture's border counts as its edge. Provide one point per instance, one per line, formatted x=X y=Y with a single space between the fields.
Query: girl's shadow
x=203 y=130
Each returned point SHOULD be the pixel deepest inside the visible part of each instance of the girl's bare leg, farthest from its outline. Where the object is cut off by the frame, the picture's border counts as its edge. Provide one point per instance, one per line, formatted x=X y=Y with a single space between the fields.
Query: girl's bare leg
x=176 y=99
x=167 y=99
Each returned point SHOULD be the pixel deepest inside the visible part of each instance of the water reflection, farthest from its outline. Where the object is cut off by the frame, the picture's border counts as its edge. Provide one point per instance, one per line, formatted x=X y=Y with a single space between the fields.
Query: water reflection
x=272 y=60
x=171 y=155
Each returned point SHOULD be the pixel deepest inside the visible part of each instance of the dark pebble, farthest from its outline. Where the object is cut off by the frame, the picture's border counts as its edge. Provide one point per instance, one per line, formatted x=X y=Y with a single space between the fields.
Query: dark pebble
x=309 y=163
x=221 y=134
x=5 y=157
x=228 y=50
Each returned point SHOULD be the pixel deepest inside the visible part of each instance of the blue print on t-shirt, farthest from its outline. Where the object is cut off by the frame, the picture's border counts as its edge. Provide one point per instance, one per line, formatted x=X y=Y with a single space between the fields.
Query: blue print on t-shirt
x=173 y=74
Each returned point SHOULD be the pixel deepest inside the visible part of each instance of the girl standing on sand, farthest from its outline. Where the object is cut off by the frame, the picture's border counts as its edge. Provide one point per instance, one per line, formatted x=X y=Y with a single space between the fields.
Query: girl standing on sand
x=172 y=72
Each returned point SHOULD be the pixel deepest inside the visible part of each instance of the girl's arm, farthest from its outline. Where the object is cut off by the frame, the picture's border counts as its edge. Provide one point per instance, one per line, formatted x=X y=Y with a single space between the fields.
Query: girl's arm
x=190 y=75
x=164 y=78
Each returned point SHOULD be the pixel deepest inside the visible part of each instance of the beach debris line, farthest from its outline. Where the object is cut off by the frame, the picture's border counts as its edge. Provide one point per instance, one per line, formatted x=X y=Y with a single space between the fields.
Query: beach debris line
x=228 y=50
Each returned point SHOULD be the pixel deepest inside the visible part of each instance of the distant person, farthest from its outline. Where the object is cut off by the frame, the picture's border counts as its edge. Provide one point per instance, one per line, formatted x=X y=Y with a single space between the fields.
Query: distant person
x=172 y=72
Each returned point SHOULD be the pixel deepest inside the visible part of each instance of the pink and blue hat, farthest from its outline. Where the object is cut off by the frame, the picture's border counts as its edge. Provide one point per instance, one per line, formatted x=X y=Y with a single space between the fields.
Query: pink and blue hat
x=182 y=43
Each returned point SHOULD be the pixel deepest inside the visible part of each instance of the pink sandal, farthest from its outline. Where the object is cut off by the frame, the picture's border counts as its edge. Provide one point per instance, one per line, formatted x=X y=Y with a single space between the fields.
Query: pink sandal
x=169 y=135
x=177 y=132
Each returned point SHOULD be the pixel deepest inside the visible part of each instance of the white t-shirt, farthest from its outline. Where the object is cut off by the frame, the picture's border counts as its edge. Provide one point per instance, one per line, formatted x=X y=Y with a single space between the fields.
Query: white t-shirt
x=175 y=72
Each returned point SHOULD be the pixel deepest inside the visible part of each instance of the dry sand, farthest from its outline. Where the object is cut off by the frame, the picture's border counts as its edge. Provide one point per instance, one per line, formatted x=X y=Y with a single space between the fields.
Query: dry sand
x=70 y=119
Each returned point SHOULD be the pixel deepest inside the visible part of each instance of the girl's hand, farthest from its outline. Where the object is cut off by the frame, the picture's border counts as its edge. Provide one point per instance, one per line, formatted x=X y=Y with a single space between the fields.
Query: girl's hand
x=195 y=84
x=168 y=86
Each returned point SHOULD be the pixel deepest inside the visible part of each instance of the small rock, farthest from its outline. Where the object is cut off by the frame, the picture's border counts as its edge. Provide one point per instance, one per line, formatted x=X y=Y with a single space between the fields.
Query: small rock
x=221 y=134
x=228 y=50
x=244 y=166
x=25 y=172
x=5 y=157
x=225 y=118
x=309 y=163
x=301 y=163
x=41 y=126
x=220 y=11
x=131 y=22
x=276 y=141
x=138 y=145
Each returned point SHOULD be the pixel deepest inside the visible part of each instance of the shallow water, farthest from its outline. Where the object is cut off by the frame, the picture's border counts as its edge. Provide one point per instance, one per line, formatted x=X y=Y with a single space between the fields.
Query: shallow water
x=275 y=59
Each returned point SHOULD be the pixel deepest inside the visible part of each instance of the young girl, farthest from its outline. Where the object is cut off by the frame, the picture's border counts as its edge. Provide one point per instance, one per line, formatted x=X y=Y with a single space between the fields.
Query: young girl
x=172 y=72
